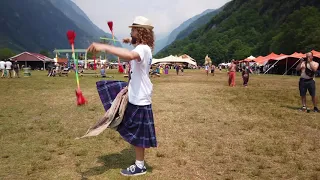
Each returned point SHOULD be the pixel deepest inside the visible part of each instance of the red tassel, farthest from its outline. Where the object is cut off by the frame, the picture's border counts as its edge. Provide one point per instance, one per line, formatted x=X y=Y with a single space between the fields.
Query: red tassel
x=110 y=24
x=94 y=63
x=121 y=70
x=71 y=36
x=81 y=100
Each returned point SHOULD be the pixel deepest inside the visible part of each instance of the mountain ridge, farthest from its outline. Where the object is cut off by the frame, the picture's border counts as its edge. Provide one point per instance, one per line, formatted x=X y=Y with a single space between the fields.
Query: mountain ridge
x=165 y=41
x=33 y=26
x=248 y=27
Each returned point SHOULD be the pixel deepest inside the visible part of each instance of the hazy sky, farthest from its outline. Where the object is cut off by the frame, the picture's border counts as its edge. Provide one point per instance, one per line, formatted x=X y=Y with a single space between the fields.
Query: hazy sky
x=164 y=14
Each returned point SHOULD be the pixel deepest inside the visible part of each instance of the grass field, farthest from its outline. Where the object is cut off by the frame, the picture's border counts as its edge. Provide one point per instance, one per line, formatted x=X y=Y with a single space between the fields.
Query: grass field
x=205 y=130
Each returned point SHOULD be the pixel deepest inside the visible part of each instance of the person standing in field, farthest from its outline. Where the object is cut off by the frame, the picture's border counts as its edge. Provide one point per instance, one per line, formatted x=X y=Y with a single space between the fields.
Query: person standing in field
x=16 y=68
x=246 y=70
x=2 y=68
x=182 y=69
x=8 y=68
x=232 y=74
x=308 y=68
x=137 y=126
x=212 y=69
x=166 y=70
x=207 y=69
x=177 y=69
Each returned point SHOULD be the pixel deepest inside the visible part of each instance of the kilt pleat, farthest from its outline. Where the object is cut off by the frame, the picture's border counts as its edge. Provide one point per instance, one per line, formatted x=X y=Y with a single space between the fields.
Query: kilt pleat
x=137 y=126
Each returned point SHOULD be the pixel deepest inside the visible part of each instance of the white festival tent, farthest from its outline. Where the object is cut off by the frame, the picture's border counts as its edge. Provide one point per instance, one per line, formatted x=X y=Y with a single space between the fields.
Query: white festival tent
x=224 y=64
x=251 y=58
x=175 y=59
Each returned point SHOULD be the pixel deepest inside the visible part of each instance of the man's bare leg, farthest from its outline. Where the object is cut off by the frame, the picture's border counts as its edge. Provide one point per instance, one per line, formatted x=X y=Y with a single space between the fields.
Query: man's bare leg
x=303 y=100
x=139 y=153
x=314 y=101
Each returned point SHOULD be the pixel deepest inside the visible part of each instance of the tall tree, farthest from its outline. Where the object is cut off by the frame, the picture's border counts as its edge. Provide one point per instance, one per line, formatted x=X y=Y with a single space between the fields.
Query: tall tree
x=44 y=52
x=6 y=53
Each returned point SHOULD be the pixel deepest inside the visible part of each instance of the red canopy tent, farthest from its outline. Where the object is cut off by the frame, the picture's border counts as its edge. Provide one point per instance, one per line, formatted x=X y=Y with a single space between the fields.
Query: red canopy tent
x=292 y=60
x=272 y=56
x=264 y=59
x=316 y=53
x=260 y=60
x=297 y=55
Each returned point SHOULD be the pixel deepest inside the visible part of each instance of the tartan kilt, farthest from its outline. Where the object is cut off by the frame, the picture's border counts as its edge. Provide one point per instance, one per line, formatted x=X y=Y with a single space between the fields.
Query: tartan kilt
x=137 y=126
x=108 y=91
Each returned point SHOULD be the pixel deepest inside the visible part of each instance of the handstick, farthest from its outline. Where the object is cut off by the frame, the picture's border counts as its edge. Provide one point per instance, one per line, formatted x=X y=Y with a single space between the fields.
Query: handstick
x=81 y=100
x=108 y=39
x=110 y=24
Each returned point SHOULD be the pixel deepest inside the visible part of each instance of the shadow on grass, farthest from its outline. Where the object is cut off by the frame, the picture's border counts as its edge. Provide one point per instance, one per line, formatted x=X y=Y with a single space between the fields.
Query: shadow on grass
x=120 y=160
x=291 y=107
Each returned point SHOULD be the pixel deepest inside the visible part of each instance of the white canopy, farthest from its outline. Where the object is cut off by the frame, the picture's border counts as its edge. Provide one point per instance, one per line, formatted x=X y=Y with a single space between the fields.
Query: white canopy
x=224 y=64
x=251 y=57
x=175 y=59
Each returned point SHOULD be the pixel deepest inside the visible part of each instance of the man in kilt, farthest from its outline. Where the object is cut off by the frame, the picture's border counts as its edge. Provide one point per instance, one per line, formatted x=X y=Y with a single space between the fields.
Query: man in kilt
x=137 y=126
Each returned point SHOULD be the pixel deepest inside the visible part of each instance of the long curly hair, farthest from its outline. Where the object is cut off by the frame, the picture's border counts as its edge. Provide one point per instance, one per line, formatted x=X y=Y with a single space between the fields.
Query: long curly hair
x=145 y=36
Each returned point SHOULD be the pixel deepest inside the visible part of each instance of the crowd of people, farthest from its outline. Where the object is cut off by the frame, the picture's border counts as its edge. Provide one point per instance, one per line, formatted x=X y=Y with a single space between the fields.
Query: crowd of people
x=9 y=69
x=245 y=70
x=307 y=68
x=164 y=69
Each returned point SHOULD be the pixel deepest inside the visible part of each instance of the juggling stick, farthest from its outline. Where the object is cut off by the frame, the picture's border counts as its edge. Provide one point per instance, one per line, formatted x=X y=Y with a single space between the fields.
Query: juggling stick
x=110 y=24
x=108 y=39
x=81 y=100
x=94 y=63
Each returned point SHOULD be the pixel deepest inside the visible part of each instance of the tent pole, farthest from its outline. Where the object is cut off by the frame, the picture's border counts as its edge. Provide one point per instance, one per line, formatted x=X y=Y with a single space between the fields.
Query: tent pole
x=272 y=66
x=44 y=65
x=85 y=61
x=286 y=64
x=291 y=67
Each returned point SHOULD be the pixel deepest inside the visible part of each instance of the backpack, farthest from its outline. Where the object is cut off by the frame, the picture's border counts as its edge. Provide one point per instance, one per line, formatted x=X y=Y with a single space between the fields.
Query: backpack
x=309 y=72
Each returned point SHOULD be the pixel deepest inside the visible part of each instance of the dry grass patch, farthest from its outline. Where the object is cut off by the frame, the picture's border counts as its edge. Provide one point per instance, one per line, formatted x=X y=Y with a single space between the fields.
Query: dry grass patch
x=205 y=130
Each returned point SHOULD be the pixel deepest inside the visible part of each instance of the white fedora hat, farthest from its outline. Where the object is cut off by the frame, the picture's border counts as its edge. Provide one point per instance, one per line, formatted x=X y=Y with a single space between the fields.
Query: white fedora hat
x=142 y=22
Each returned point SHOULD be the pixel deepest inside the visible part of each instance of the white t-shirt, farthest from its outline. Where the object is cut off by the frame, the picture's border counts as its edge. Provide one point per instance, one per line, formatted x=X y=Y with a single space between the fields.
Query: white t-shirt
x=8 y=64
x=140 y=86
x=2 y=65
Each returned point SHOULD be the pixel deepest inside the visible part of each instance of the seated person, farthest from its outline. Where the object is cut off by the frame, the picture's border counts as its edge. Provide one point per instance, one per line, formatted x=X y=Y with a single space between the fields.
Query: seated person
x=103 y=71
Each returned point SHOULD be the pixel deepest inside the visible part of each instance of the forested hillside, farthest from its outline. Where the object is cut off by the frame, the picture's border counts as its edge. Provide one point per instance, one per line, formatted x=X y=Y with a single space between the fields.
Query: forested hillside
x=254 y=27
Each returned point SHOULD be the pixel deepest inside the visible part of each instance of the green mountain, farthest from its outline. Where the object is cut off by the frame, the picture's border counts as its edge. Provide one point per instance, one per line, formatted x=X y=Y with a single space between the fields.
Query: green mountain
x=202 y=20
x=165 y=41
x=73 y=12
x=173 y=35
x=32 y=25
x=253 y=27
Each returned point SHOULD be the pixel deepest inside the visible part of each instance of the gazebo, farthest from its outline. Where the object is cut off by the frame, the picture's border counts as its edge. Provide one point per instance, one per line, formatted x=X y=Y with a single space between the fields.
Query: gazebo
x=34 y=60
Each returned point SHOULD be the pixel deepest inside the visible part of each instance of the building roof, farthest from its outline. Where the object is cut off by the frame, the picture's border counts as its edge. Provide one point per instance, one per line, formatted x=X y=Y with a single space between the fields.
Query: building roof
x=27 y=56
